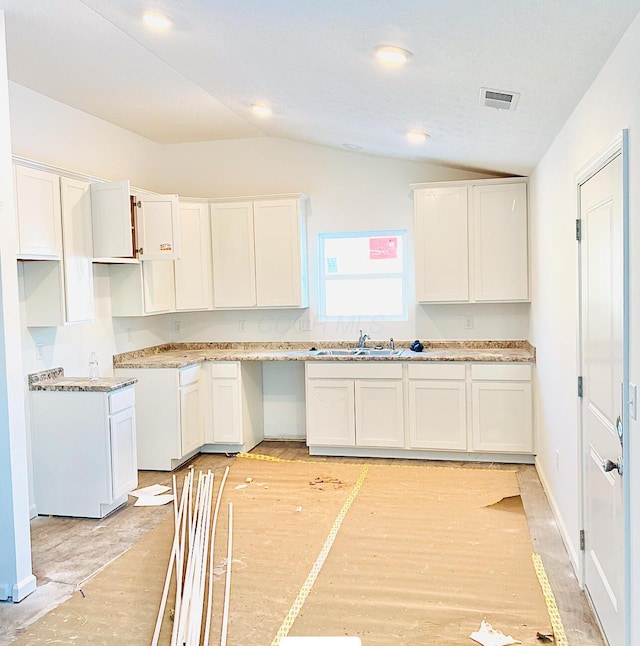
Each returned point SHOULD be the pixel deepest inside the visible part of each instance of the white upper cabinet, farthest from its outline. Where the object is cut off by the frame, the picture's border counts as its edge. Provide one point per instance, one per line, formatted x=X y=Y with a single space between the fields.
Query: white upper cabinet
x=442 y=249
x=77 y=250
x=234 y=277
x=193 y=275
x=60 y=292
x=471 y=241
x=500 y=249
x=259 y=253
x=38 y=213
x=142 y=289
x=127 y=226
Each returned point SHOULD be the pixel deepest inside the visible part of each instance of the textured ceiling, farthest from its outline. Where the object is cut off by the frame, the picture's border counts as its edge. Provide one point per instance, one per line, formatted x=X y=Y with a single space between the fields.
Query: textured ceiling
x=313 y=63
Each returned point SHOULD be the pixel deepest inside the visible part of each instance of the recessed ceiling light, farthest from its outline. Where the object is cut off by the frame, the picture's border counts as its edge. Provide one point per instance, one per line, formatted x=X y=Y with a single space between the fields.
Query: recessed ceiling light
x=417 y=136
x=156 y=21
x=261 y=110
x=352 y=146
x=392 y=55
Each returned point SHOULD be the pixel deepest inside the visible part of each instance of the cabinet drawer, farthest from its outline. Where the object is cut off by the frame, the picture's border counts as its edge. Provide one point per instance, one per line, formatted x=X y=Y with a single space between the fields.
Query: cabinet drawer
x=189 y=375
x=225 y=369
x=457 y=371
x=354 y=370
x=121 y=399
x=501 y=372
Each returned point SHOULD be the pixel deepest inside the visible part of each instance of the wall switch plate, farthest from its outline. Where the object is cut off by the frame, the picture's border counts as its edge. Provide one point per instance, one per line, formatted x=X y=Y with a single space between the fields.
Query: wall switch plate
x=468 y=322
x=38 y=351
x=304 y=324
x=633 y=401
x=177 y=326
x=241 y=326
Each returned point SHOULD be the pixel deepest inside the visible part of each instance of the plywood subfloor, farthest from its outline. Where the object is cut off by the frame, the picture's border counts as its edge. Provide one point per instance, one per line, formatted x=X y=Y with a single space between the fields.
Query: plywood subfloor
x=422 y=556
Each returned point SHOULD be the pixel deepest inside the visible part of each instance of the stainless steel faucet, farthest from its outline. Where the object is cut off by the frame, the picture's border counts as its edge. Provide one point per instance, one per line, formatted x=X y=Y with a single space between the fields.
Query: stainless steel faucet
x=362 y=339
x=392 y=344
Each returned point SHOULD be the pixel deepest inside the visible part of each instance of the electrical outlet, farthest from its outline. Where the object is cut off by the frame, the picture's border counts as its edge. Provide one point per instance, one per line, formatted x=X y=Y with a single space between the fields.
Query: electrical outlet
x=38 y=351
x=304 y=324
x=177 y=326
x=468 y=322
x=241 y=326
x=129 y=335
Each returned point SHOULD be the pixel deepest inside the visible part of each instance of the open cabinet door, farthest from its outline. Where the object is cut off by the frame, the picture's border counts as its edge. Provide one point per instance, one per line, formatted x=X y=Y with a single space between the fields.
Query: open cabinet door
x=111 y=220
x=158 y=227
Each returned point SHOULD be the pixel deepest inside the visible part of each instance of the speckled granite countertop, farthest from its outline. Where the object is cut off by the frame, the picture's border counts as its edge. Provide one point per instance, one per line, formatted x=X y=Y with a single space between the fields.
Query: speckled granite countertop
x=54 y=379
x=180 y=355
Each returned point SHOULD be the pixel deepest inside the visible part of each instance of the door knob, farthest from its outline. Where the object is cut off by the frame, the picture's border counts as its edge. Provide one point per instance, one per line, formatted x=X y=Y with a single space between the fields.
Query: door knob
x=610 y=465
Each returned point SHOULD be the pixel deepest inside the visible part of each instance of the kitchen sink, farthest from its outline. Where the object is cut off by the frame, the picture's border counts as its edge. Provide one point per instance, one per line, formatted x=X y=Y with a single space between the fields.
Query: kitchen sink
x=358 y=352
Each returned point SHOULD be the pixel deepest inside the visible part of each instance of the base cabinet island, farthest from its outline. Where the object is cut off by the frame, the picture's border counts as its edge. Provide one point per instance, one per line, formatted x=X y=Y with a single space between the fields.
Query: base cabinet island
x=454 y=401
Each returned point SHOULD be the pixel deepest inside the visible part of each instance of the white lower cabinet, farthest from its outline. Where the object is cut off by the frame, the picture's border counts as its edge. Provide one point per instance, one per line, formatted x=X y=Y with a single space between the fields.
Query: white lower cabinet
x=355 y=404
x=501 y=408
x=437 y=406
x=84 y=451
x=454 y=410
x=170 y=425
x=234 y=420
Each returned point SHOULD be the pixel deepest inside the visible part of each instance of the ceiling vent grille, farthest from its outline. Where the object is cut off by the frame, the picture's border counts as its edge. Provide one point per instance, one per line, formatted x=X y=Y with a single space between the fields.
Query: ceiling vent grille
x=499 y=99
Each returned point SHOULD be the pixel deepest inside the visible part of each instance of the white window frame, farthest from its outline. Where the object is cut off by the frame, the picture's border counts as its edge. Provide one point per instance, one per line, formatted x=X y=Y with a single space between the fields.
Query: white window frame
x=323 y=276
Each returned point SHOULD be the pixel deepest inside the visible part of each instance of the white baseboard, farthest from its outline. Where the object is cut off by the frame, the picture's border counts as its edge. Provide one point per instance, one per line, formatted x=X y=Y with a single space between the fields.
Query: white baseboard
x=574 y=554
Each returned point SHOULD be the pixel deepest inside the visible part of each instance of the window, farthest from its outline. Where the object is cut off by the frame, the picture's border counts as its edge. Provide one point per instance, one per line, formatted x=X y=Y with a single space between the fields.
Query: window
x=362 y=274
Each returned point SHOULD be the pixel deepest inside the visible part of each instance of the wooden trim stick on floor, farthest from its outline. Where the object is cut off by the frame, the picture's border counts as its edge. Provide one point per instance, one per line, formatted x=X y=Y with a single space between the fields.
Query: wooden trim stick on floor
x=227 y=586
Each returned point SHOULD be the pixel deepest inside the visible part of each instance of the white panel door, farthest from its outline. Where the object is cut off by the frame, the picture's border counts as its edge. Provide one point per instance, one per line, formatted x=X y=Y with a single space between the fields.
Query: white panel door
x=112 y=220
x=500 y=243
x=602 y=300
x=331 y=412
x=441 y=244
x=38 y=209
x=278 y=255
x=379 y=413
x=78 y=250
x=193 y=280
x=438 y=415
x=191 y=421
x=158 y=286
x=124 y=462
x=226 y=410
x=158 y=227
x=233 y=256
x=502 y=420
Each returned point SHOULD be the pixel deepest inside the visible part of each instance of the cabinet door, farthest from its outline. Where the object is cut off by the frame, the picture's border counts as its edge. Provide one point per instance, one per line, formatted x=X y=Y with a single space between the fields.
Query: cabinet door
x=441 y=240
x=112 y=220
x=330 y=412
x=77 y=250
x=379 y=413
x=158 y=286
x=500 y=248
x=124 y=463
x=193 y=271
x=278 y=253
x=38 y=212
x=226 y=410
x=191 y=426
x=502 y=418
x=158 y=227
x=438 y=415
x=234 y=274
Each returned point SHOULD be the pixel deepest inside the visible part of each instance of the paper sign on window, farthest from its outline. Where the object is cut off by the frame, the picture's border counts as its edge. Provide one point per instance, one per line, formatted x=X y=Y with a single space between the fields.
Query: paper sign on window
x=383 y=248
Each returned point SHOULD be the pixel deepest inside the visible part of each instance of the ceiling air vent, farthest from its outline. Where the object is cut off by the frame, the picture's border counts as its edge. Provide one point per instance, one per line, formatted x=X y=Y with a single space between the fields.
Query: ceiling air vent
x=498 y=99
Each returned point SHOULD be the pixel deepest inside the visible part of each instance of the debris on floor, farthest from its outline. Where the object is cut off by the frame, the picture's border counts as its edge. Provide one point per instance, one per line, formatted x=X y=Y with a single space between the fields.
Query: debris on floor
x=153 y=501
x=151 y=490
x=487 y=635
x=321 y=480
x=545 y=638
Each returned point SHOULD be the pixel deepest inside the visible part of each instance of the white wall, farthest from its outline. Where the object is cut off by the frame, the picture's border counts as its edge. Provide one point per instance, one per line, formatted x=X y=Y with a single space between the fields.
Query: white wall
x=610 y=105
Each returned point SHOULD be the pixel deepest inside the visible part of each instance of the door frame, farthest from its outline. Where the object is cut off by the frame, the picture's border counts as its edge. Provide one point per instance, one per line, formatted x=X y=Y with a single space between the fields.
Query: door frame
x=619 y=146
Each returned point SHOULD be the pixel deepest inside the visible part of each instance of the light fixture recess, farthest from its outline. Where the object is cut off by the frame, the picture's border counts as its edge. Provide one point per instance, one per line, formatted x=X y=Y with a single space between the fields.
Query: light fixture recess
x=261 y=110
x=392 y=55
x=156 y=21
x=417 y=136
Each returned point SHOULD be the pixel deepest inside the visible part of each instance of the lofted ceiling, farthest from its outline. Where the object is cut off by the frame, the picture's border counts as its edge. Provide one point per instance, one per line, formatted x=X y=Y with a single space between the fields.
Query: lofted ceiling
x=313 y=63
